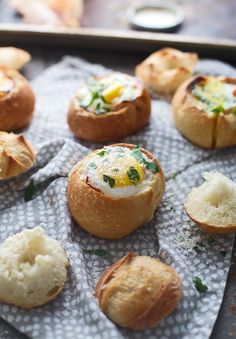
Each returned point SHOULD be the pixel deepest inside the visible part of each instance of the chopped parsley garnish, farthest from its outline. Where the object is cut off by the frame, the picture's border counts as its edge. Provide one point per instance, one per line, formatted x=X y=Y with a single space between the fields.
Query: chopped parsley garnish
x=133 y=175
x=93 y=165
x=100 y=252
x=200 y=287
x=174 y=174
x=102 y=153
x=199 y=247
x=29 y=191
x=223 y=253
x=115 y=170
x=218 y=109
x=138 y=155
x=211 y=240
x=109 y=180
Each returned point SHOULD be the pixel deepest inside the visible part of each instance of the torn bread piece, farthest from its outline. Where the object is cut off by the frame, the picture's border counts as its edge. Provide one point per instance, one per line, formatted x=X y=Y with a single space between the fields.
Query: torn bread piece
x=137 y=292
x=204 y=111
x=165 y=70
x=33 y=269
x=212 y=204
x=14 y=58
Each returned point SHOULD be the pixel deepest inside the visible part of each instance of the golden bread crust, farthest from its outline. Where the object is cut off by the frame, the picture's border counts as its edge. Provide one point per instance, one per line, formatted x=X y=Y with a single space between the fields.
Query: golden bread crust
x=202 y=129
x=137 y=292
x=164 y=70
x=109 y=218
x=128 y=118
x=16 y=108
x=16 y=155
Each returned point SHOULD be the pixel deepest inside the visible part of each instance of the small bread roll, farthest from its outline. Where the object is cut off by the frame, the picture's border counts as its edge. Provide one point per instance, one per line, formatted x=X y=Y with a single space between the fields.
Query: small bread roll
x=115 y=190
x=212 y=204
x=137 y=292
x=14 y=58
x=16 y=100
x=16 y=155
x=109 y=108
x=33 y=269
x=163 y=71
x=204 y=111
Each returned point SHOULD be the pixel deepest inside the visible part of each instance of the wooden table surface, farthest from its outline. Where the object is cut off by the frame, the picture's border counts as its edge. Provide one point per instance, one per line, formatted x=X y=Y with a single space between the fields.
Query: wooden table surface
x=212 y=18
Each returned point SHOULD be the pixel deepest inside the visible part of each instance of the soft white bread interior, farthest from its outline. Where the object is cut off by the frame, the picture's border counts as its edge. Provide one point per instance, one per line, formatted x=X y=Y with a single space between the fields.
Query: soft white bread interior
x=212 y=205
x=16 y=155
x=33 y=269
x=14 y=58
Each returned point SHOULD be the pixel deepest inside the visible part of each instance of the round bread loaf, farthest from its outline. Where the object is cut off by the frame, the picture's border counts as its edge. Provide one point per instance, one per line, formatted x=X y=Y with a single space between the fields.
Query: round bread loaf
x=109 y=108
x=137 y=292
x=115 y=190
x=204 y=111
x=16 y=155
x=16 y=100
x=33 y=269
x=165 y=70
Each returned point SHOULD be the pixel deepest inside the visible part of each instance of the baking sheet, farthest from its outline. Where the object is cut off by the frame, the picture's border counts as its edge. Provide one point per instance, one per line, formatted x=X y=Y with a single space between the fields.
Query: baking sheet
x=75 y=313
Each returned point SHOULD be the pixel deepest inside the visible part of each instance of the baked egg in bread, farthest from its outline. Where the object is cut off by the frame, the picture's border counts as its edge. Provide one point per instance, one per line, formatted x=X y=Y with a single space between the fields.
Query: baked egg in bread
x=204 y=111
x=114 y=190
x=16 y=100
x=108 y=108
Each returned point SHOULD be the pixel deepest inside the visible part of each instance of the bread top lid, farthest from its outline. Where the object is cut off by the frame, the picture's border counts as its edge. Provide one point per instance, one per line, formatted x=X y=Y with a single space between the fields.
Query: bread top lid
x=106 y=94
x=169 y=59
x=16 y=155
x=119 y=170
x=214 y=95
x=7 y=84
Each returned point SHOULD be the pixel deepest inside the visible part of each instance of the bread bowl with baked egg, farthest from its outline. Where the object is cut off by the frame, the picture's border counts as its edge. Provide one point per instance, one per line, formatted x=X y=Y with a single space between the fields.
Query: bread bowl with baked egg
x=204 y=111
x=109 y=108
x=165 y=70
x=115 y=190
x=16 y=100
x=137 y=292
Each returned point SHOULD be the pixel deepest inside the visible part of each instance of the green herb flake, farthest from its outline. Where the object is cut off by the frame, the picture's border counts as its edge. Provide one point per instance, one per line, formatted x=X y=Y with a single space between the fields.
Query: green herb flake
x=102 y=153
x=115 y=169
x=223 y=253
x=218 y=109
x=174 y=175
x=99 y=252
x=197 y=249
x=200 y=287
x=93 y=165
x=109 y=180
x=233 y=111
x=29 y=191
x=137 y=154
x=211 y=241
x=133 y=175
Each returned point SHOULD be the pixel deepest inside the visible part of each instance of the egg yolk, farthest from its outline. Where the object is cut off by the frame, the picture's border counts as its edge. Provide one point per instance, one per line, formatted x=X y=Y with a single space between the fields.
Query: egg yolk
x=112 y=91
x=119 y=169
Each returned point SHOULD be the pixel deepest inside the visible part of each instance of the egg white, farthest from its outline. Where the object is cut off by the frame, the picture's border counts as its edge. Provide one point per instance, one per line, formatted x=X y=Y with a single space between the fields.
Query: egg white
x=93 y=175
x=132 y=90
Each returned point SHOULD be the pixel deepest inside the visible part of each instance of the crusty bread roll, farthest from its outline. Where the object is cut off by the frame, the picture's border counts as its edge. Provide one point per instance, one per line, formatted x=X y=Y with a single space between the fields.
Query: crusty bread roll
x=33 y=269
x=163 y=71
x=16 y=155
x=212 y=204
x=16 y=100
x=109 y=108
x=14 y=58
x=138 y=291
x=114 y=190
x=204 y=111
